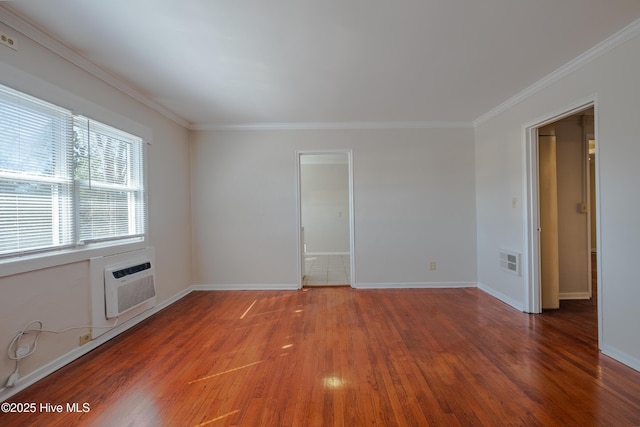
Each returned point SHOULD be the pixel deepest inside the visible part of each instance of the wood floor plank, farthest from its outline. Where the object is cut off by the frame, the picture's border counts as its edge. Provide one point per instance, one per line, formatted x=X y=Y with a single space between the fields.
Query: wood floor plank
x=344 y=357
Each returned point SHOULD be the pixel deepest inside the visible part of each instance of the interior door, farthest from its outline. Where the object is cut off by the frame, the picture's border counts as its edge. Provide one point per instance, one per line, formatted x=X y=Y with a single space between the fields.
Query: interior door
x=549 y=256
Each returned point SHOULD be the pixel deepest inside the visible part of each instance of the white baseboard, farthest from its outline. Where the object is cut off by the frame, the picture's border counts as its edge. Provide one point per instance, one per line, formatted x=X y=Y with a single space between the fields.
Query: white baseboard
x=32 y=377
x=502 y=297
x=246 y=287
x=415 y=285
x=620 y=356
x=574 y=295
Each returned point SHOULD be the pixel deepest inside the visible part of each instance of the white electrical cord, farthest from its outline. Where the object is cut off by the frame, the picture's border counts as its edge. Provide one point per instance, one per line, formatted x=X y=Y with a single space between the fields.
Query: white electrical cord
x=19 y=353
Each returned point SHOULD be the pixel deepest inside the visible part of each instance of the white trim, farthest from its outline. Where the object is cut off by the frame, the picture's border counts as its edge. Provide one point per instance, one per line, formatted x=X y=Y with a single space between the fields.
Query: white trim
x=349 y=153
x=575 y=295
x=627 y=33
x=48 y=42
x=620 y=356
x=416 y=285
x=300 y=234
x=530 y=257
x=502 y=297
x=331 y=126
x=246 y=287
x=599 y=281
x=531 y=253
x=17 y=265
x=352 y=223
x=533 y=299
x=35 y=376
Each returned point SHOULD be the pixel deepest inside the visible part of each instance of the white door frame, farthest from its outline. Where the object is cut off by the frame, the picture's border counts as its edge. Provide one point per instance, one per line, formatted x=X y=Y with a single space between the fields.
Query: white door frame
x=349 y=153
x=533 y=295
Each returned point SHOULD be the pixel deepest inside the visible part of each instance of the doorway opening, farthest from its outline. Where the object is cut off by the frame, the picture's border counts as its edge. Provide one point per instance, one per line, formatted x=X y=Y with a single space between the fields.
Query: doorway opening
x=325 y=206
x=562 y=214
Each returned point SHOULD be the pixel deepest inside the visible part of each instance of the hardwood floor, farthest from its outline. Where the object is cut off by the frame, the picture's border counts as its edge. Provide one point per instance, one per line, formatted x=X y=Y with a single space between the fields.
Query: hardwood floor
x=343 y=357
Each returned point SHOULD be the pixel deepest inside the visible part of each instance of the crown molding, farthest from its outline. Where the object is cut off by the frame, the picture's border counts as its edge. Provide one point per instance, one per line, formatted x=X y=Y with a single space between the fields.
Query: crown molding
x=48 y=42
x=331 y=126
x=622 y=36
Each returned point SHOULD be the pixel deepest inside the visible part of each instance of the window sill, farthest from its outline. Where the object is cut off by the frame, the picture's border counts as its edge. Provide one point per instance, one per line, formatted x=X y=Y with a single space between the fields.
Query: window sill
x=24 y=264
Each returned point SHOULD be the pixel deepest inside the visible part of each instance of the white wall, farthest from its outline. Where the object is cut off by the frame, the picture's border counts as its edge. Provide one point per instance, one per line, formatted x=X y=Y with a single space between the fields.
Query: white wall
x=60 y=296
x=413 y=203
x=613 y=78
x=325 y=207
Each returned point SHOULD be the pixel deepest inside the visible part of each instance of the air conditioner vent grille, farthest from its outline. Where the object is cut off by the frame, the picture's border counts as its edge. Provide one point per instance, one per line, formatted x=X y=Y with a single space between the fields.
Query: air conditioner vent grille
x=131 y=270
x=128 y=286
x=135 y=293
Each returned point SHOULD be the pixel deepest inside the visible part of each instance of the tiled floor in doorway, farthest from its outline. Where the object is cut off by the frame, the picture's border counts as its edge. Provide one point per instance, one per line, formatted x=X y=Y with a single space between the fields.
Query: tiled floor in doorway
x=323 y=270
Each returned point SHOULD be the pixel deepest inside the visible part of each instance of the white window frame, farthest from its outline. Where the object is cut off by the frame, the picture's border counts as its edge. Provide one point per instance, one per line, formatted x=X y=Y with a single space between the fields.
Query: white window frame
x=11 y=264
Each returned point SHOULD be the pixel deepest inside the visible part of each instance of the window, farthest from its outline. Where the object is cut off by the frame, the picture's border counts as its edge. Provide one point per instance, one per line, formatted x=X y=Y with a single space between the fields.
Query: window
x=108 y=173
x=65 y=180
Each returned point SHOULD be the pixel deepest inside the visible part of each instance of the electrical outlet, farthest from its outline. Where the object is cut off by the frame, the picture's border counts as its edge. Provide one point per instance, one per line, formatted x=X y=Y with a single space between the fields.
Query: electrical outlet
x=85 y=338
x=432 y=266
x=8 y=41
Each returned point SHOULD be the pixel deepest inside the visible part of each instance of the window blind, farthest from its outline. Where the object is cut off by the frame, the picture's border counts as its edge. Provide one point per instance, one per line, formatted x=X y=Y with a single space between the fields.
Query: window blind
x=109 y=178
x=65 y=180
x=36 y=174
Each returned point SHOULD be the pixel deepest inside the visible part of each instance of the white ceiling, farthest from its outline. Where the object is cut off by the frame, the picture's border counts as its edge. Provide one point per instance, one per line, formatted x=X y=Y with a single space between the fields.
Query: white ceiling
x=231 y=62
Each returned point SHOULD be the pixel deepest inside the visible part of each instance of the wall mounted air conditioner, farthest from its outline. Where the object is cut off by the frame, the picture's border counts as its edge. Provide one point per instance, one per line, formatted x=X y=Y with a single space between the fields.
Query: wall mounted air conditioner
x=128 y=285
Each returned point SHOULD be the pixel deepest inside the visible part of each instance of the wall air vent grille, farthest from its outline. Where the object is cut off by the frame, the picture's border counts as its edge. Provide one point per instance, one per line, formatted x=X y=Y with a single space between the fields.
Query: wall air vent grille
x=510 y=261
